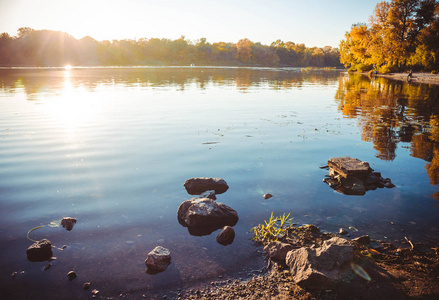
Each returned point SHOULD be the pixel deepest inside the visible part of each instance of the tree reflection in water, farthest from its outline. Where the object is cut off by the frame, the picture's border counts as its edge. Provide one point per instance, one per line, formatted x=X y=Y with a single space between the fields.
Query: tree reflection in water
x=391 y=112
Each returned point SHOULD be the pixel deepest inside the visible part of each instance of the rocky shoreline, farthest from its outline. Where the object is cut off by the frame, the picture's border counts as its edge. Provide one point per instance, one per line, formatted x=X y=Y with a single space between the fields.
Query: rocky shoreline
x=395 y=273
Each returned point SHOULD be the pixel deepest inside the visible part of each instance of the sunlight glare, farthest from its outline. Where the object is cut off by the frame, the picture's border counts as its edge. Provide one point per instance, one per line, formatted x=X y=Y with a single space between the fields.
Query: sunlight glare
x=67 y=67
x=71 y=109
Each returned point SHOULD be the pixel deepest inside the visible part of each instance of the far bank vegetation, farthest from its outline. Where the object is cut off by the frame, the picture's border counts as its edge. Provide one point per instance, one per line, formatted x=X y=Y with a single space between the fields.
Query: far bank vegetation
x=47 y=48
x=401 y=35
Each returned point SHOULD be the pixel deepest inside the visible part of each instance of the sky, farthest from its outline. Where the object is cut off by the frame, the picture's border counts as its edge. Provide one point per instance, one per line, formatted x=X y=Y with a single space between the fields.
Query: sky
x=315 y=23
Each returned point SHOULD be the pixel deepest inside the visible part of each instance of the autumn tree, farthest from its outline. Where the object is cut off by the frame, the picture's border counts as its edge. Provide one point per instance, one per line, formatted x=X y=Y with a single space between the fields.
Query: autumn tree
x=244 y=49
x=397 y=31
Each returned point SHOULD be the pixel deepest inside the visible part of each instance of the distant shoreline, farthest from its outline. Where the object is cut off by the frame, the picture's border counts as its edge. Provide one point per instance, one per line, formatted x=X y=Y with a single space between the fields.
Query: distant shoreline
x=417 y=77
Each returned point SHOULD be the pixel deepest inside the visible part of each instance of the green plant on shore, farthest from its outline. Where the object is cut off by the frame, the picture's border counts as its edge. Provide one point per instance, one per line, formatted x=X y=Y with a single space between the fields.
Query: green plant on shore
x=273 y=229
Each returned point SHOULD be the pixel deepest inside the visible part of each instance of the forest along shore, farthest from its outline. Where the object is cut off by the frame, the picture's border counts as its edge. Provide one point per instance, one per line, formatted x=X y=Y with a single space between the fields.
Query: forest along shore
x=417 y=77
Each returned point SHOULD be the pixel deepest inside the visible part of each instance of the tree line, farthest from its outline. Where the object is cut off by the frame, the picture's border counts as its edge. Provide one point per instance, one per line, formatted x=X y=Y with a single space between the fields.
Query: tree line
x=54 y=48
x=401 y=35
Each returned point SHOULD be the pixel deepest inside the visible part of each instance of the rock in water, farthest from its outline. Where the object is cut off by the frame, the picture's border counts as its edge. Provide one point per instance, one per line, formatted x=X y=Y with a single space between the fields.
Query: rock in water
x=40 y=251
x=318 y=268
x=349 y=167
x=158 y=260
x=71 y=275
x=68 y=223
x=205 y=214
x=197 y=186
x=208 y=194
x=267 y=196
x=226 y=236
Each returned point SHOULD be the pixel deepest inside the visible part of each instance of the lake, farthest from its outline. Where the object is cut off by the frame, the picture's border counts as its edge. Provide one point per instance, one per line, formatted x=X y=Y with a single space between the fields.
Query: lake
x=112 y=147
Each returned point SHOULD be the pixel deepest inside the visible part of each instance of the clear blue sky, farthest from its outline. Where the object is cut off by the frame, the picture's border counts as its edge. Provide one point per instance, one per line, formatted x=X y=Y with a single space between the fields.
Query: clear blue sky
x=315 y=23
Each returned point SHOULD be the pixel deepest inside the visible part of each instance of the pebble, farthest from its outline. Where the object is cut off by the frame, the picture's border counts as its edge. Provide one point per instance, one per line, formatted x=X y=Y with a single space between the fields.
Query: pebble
x=48 y=266
x=342 y=231
x=14 y=274
x=86 y=285
x=71 y=275
x=95 y=292
x=267 y=196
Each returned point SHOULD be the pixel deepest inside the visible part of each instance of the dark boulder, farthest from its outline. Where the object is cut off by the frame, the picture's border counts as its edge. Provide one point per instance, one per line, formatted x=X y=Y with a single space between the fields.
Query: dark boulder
x=40 y=251
x=197 y=186
x=226 y=236
x=202 y=216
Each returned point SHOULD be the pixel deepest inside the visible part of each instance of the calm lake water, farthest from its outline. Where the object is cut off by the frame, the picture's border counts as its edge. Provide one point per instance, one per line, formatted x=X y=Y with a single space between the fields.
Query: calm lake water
x=112 y=147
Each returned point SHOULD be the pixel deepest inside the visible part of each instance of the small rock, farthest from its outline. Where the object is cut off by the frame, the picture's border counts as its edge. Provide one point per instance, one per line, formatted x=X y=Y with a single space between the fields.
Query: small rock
x=311 y=228
x=14 y=274
x=71 y=275
x=208 y=194
x=389 y=185
x=267 y=196
x=158 y=260
x=86 y=285
x=68 y=223
x=48 y=266
x=40 y=251
x=342 y=231
x=95 y=292
x=226 y=236
x=362 y=240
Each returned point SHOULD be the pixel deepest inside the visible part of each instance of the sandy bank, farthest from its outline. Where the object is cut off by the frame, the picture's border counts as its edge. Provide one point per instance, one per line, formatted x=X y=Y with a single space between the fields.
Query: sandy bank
x=418 y=77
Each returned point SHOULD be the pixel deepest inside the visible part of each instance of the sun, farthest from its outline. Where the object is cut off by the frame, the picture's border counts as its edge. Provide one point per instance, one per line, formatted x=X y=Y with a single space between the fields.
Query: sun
x=67 y=67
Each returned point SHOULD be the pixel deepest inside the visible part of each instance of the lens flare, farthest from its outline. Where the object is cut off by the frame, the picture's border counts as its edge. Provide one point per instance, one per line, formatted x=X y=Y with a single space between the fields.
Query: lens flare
x=360 y=271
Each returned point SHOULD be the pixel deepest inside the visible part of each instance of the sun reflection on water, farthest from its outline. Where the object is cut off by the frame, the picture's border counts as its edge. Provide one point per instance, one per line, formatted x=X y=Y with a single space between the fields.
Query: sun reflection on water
x=71 y=107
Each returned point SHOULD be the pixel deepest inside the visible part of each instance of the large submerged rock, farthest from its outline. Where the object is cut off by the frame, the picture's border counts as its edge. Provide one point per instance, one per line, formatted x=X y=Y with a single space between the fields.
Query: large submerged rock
x=158 y=260
x=197 y=186
x=352 y=176
x=202 y=216
x=40 y=251
x=318 y=268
